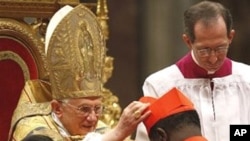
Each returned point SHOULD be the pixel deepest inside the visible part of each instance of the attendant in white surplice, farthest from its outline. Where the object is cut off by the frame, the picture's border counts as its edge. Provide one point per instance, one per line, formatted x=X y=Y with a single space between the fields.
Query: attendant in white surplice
x=218 y=86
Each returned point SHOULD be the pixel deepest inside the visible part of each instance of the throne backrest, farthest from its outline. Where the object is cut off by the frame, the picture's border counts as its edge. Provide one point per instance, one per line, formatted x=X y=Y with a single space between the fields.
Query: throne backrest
x=21 y=59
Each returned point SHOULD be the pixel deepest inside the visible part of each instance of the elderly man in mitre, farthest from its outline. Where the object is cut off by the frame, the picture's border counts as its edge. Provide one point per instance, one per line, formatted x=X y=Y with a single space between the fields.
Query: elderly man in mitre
x=69 y=107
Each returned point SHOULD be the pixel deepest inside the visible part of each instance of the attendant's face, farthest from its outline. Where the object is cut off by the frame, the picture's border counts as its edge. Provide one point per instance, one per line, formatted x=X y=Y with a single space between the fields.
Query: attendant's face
x=211 y=44
x=79 y=116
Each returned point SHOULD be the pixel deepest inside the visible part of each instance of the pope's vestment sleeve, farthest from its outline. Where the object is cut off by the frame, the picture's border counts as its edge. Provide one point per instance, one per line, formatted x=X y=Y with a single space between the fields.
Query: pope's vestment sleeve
x=93 y=136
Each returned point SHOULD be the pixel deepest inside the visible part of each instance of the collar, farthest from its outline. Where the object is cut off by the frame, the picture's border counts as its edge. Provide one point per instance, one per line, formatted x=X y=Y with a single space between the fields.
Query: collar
x=63 y=131
x=196 y=138
x=190 y=69
x=192 y=54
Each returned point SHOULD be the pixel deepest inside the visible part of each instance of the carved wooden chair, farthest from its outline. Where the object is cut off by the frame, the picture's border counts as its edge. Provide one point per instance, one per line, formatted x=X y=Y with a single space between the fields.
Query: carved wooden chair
x=22 y=56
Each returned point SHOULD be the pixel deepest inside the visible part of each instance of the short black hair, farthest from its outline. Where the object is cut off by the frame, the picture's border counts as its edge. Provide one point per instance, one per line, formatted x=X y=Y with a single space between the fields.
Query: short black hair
x=37 y=138
x=205 y=11
x=175 y=122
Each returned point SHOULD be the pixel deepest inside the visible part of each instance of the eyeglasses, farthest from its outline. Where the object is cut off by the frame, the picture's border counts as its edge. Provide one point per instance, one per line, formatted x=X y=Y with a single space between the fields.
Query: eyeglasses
x=86 y=110
x=205 y=52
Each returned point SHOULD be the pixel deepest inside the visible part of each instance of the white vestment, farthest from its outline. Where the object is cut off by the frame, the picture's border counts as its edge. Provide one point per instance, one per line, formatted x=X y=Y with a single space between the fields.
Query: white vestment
x=93 y=136
x=227 y=103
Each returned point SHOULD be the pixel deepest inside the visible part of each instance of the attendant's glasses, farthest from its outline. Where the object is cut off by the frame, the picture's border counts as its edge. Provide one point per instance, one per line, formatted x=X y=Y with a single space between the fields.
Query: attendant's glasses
x=205 y=52
x=86 y=110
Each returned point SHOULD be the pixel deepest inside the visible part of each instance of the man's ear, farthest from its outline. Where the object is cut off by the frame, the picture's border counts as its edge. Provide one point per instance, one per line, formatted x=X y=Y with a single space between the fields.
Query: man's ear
x=231 y=36
x=56 y=107
x=187 y=41
x=162 y=134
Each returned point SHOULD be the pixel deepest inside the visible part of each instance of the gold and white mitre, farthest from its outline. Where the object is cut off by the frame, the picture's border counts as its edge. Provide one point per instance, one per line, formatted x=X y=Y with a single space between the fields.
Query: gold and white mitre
x=76 y=49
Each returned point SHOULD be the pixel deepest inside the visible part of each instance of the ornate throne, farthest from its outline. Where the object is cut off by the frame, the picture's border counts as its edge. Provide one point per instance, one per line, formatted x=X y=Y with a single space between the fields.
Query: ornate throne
x=22 y=55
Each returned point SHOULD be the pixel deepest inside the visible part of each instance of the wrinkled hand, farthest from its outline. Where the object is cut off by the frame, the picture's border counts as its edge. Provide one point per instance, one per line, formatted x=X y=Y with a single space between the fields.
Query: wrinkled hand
x=131 y=116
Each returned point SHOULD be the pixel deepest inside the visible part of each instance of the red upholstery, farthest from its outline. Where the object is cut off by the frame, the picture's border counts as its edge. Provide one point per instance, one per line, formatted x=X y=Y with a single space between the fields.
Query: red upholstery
x=12 y=79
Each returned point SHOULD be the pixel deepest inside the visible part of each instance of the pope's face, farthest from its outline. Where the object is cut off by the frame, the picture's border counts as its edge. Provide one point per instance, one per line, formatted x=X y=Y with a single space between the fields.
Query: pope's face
x=80 y=116
x=211 y=44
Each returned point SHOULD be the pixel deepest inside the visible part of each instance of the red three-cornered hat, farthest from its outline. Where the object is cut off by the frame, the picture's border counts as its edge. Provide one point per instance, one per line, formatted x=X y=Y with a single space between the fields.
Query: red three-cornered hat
x=174 y=101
